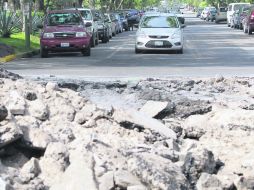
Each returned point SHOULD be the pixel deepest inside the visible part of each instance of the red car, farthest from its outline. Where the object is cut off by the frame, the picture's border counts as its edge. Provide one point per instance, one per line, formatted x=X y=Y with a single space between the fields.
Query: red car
x=65 y=31
x=248 y=20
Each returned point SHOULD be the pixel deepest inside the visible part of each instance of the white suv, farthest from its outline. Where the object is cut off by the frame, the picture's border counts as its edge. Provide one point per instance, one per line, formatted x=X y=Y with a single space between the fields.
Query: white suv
x=93 y=30
x=232 y=7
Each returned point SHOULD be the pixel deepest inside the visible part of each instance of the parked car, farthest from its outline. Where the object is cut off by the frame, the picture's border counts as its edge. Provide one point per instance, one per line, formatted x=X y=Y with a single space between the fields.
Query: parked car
x=179 y=15
x=221 y=14
x=133 y=16
x=161 y=31
x=111 y=24
x=248 y=21
x=103 y=27
x=114 y=24
x=205 y=12
x=124 y=20
x=199 y=11
x=232 y=7
x=93 y=30
x=211 y=14
x=64 y=30
x=118 y=22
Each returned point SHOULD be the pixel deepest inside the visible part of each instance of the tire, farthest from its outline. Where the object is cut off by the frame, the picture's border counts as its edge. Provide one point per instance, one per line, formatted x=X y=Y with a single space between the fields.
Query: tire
x=249 y=31
x=43 y=53
x=137 y=51
x=93 y=41
x=180 y=51
x=87 y=51
x=97 y=39
x=113 y=34
x=216 y=21
x=104 y=39
x=240 y=26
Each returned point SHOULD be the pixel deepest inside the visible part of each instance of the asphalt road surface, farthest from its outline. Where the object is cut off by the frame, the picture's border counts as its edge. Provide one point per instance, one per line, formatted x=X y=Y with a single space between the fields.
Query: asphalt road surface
x=209 y=50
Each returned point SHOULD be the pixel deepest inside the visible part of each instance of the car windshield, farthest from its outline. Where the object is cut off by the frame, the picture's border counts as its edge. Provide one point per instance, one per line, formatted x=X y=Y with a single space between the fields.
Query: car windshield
x=86 y=14
x=55 y=19
x=213 y=9
x=159 y=22
x=236 y=7
x=222 y=9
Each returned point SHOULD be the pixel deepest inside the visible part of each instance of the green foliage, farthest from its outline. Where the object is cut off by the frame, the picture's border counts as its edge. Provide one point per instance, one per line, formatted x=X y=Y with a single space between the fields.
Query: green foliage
x=17 y=41
x=10 y=23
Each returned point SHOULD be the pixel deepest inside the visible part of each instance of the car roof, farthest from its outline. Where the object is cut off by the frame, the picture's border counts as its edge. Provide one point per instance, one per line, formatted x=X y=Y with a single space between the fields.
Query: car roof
x=237 y=3
x=64 y=11
x=158 y=14
x=80 y=9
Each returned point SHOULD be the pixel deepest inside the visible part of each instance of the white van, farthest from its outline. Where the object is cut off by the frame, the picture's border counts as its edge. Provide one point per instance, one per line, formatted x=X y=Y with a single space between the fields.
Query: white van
x=232 y=7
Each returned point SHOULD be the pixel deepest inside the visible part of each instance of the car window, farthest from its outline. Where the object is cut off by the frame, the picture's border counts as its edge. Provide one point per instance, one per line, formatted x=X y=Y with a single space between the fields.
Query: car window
x=223 y=9
x=230 y=8
x=159 y=22
x=55 y=19
x=86 y=14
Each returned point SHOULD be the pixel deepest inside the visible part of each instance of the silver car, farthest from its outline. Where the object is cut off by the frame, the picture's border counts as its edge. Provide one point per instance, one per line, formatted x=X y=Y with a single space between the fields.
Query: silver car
x=159 y=32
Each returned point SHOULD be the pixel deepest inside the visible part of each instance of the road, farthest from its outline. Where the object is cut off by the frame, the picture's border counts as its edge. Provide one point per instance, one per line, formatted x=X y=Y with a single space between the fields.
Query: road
x=209 y=50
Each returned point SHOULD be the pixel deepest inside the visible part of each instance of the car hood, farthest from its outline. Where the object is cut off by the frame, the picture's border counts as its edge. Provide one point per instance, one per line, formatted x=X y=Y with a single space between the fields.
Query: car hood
x=65 y=28
x=159 y=31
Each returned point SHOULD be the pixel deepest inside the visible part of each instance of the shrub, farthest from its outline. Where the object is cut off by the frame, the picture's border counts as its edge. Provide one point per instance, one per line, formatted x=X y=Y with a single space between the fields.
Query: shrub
x=10 y=23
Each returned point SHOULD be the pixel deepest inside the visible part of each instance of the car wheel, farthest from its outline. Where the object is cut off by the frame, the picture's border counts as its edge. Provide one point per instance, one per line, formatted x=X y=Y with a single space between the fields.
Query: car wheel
x=97 y=39
x=104 y=39
x=43 y=53
x=137 y=50
x=216 y=21
x=240 y=26
x=87 y=51
x=93 y=41
x=249 y=31
x=180 y=51
x=113 y=34
x=228 y=24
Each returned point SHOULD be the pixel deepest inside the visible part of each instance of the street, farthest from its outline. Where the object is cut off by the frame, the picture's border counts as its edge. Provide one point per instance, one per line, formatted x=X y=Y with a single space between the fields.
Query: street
x=210 y=49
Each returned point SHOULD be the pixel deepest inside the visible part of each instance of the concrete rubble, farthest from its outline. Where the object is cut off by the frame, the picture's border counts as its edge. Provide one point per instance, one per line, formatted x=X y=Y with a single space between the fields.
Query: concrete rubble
x=153 y=134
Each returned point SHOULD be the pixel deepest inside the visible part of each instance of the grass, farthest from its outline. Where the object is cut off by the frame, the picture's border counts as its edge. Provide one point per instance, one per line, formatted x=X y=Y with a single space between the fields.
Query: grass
x=17 y=41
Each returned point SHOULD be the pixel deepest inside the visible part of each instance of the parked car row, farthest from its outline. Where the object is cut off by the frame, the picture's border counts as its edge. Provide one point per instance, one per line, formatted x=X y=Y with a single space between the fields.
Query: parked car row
x=80 y=29
x=213 y=14
x=242 y=18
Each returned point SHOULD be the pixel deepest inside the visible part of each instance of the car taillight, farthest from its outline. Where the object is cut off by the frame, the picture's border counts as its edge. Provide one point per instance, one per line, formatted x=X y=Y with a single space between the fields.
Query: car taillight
x=252 y=16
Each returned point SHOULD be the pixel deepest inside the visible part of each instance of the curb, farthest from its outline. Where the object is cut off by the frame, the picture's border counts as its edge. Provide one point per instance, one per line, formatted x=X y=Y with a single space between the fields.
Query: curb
x=11 y=57
x=7 y=58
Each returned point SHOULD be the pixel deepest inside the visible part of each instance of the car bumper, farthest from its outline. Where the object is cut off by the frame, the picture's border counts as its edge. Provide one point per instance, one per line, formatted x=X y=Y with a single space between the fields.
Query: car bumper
x=101 y=33
x=74 y=44
x=159 y=44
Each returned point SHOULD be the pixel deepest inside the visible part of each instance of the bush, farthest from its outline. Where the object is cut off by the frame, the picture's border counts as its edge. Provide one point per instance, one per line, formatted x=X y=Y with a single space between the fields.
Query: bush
x=10 y=23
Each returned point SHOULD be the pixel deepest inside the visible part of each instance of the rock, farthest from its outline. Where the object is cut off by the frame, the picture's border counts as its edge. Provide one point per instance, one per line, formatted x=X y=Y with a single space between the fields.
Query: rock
x=78 y=175
x=16 y=103
x=209 y=182
x=54 y=163
x=185 y=108
x=2 y=184
x=66 y=112
x=9 y=133
x=106 y=182
x=123 y=179
x=30 y=170
x=36 y=138
x=197 y=162
x=8 y=75
x=157 y=109
x=51 y=86
x=245 y=183
x=132 y=119
x=3 y=112
x=39 y=110
x=193 y=132
x=31 y=96
x=157 y=172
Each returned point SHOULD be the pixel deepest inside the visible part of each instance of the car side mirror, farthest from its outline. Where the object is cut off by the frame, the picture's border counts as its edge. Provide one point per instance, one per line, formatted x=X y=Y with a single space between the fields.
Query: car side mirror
x=88 y=24
x=183 y=26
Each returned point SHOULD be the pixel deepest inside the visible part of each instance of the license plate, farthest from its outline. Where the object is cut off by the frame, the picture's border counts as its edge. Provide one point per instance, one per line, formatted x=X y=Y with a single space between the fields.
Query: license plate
x=65 y=45
x=158 y=43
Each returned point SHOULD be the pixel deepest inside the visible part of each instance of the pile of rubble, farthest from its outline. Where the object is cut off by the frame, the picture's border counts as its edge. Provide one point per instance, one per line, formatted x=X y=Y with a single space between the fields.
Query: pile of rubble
x=58 y=139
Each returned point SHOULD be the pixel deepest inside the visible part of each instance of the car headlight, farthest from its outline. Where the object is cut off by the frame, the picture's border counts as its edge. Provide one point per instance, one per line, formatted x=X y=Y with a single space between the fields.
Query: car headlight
x=100 y=26
x=176 y=36
x=48 y=35
x=81 y=34
x=141 y=35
